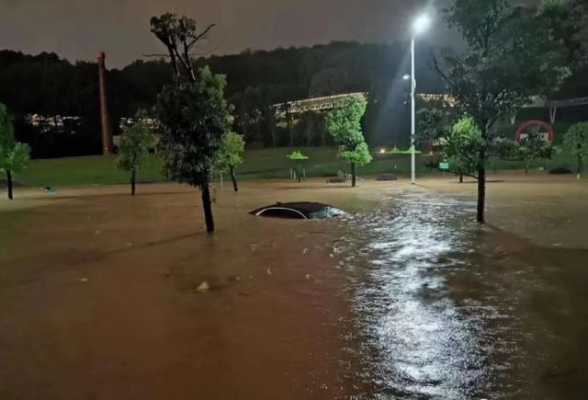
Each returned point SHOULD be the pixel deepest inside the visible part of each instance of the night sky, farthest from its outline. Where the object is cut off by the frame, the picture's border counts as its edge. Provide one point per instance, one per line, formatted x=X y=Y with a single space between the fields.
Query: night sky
x=78 y=29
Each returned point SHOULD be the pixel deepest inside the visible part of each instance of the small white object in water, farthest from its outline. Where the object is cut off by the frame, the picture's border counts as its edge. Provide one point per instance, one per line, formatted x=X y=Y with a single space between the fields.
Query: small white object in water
x=204 y=287
x=308 y=276
x=269 y=271
x=84 y=280
x=305 y=251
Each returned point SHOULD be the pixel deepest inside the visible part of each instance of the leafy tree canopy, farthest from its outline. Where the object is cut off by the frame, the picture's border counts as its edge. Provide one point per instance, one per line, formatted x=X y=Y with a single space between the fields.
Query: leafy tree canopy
x=344 y=123
x=194 y=118
x=6 y=128
x=345 y=127
x=231 y=153
x=14 y=156
x=360 y=155
x=435 y=120
x=576 y=142
x=135 y=144
x=576 y=139
x=512 y=53
x=534 y=147
x=462 y=147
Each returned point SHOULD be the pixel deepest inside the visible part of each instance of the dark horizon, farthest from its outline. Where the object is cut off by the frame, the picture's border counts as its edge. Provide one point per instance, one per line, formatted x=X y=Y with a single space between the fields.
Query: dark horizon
x=151 y=57
x=71 y=30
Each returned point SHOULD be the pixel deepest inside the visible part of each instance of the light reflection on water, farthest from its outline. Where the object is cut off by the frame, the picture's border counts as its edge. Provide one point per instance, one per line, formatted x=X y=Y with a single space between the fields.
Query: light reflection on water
x=422 y=342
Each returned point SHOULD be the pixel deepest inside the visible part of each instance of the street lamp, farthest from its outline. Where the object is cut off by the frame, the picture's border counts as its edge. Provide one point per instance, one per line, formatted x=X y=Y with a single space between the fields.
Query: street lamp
x=420 y=25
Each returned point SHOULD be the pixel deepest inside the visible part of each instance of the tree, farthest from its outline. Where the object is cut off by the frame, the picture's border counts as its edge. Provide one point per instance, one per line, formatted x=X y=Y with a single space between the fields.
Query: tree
x=534 y=147
x=179 y=35
x=576 y=142
x=193 y=111
x=512 y=53
x=344 y=125
x=14 y=156
x=432 y=125
x=230 y=155
x=135 y=144
x=462 y=147
x=194 y=118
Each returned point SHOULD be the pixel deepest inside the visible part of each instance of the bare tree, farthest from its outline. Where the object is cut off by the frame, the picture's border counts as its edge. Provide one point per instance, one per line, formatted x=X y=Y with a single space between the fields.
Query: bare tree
x=179 y=35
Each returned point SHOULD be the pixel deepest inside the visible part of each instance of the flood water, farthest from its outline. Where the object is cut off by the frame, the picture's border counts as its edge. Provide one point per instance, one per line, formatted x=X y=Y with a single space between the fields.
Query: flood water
x=404 y=298
x=446 y=309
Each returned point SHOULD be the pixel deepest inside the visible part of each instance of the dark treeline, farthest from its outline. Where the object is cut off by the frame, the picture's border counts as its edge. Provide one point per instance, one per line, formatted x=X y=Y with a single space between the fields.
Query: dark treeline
x=45 y=84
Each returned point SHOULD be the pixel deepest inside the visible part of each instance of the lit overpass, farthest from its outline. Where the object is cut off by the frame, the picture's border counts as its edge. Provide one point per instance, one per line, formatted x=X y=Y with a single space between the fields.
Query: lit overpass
x=315 y=104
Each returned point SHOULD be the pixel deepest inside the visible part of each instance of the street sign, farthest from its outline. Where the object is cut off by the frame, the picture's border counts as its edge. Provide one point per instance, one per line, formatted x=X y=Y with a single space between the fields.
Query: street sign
x=444 y=166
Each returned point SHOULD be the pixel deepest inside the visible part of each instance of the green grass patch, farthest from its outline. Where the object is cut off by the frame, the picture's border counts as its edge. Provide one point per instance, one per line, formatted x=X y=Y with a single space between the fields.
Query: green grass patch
x=77 y=171
x=259 y=164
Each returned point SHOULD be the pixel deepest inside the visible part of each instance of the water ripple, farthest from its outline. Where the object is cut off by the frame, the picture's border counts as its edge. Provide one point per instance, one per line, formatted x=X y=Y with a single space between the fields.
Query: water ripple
x=422 y=343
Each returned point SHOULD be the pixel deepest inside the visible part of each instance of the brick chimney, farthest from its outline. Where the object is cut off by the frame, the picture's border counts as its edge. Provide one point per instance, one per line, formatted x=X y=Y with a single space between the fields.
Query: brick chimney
x=104 y=114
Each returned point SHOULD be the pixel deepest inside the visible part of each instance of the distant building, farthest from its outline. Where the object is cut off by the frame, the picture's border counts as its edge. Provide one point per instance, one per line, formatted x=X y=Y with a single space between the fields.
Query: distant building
x=54 y=123
x=126 y=122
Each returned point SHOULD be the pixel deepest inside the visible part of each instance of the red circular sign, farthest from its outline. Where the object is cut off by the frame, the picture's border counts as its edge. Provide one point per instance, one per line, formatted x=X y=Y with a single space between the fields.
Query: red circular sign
x=544 y=126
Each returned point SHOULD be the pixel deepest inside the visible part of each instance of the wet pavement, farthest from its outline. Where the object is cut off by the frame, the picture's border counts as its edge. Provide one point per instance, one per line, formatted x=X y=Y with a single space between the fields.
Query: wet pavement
x=446 y=309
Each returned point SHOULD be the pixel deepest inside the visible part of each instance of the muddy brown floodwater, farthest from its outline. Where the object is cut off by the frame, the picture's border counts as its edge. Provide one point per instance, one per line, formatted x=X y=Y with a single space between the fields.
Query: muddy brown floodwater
x=404 y=298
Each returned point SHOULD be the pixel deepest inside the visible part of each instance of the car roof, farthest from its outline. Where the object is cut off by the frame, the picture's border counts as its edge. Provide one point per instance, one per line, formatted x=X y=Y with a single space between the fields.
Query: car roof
x=305 y=208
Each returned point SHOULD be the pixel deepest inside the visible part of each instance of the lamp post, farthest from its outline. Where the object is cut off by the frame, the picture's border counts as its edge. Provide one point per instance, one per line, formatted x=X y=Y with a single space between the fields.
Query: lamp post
x=420 y=25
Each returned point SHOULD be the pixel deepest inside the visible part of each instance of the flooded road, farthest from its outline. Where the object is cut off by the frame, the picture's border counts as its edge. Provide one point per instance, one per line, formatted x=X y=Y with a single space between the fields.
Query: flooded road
x=405 y=298
x=446 y=309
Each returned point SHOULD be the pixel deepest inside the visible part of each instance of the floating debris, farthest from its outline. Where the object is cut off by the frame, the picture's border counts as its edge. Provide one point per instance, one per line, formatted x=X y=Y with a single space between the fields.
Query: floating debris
x=204 y=287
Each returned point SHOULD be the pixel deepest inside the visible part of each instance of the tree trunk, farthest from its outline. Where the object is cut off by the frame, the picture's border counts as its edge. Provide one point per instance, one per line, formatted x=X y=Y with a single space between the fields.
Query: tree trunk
x=309 y=131
x=207 y=206
x=274 y=139
x=580 y=167
x=290 y=129
x=133 y=181
x=460 y=178
x=482 y=188
x=9 y=183
x=353 y=175
x=234 y=179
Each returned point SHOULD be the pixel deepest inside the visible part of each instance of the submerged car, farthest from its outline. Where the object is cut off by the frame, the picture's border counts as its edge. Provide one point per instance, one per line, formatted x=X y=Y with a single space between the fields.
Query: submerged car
x=300 y=210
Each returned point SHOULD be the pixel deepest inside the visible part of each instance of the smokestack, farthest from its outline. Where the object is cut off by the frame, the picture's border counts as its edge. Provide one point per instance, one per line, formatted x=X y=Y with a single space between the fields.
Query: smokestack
x=104 y=115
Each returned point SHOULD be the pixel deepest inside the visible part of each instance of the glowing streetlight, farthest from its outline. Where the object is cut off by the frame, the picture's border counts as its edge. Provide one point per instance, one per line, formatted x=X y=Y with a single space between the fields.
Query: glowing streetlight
x=420 y=25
